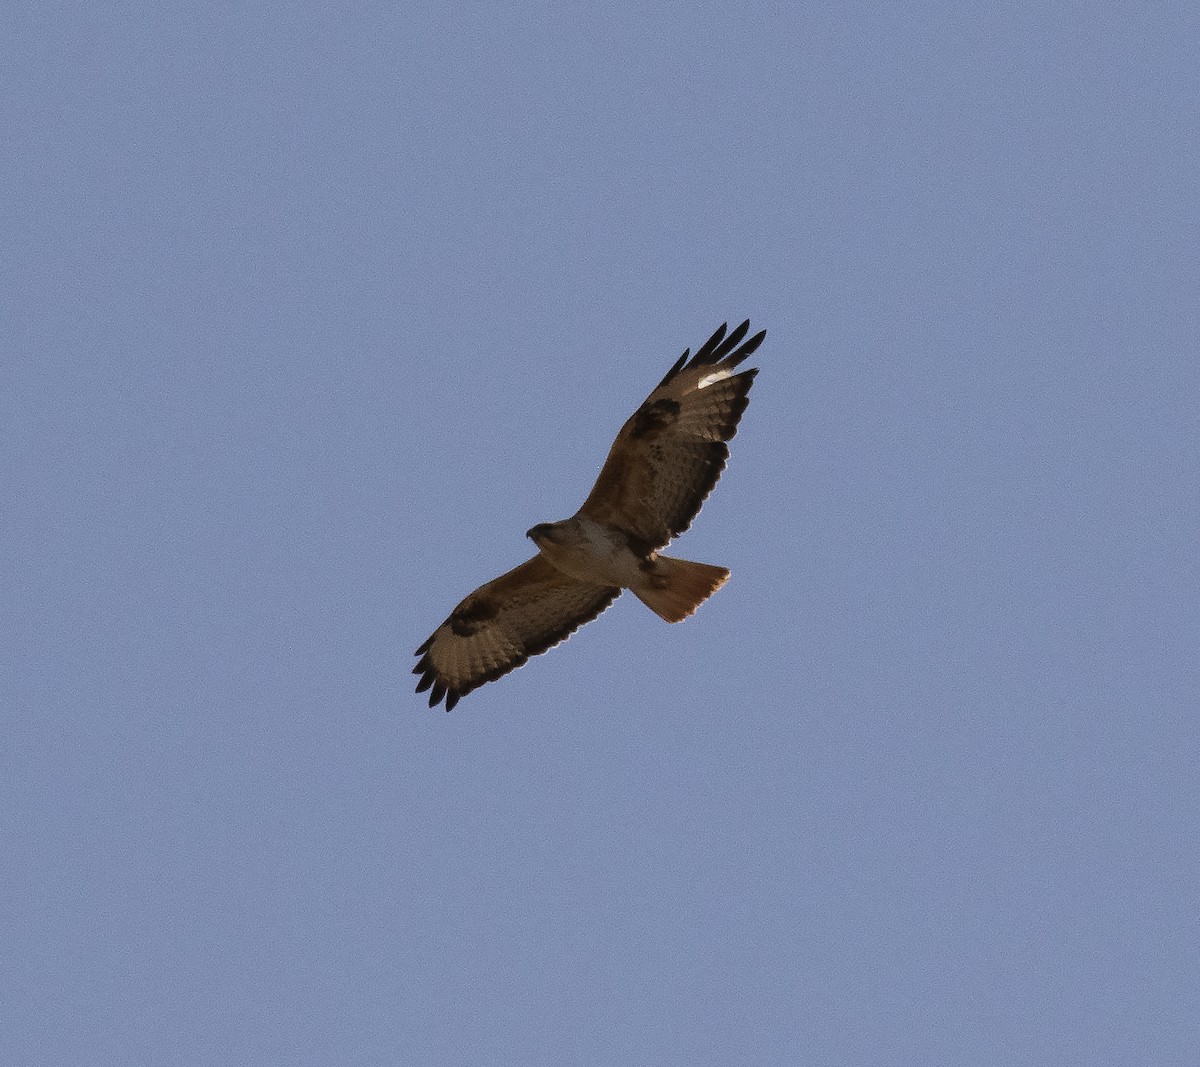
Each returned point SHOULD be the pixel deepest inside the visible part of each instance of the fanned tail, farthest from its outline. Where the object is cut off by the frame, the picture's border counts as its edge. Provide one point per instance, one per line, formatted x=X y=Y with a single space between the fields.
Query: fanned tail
x=674 y=588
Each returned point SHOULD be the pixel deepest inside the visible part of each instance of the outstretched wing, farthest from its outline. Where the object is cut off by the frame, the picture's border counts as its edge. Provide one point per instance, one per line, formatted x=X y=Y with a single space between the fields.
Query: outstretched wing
x=499 y=626
x=669 y=455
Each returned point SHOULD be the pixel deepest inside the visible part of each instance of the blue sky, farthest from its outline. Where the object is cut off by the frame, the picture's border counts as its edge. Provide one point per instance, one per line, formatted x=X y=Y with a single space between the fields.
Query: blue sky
x=311 y=313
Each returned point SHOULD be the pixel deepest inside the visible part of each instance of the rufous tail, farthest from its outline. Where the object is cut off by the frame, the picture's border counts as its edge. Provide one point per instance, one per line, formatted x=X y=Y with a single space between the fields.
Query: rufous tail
x=674 y=588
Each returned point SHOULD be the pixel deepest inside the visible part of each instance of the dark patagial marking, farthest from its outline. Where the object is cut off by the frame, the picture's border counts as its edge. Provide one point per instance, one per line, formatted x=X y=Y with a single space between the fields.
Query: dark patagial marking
x=651 y=418
x=471 y=618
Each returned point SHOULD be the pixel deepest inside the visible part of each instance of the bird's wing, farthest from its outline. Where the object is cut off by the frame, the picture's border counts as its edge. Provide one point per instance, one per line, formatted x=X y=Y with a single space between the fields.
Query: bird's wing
x=499 y=626
x=670 y=453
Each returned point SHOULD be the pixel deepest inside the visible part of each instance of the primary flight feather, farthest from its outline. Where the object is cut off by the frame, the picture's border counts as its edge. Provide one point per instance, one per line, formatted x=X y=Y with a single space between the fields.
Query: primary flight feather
x=662 y=466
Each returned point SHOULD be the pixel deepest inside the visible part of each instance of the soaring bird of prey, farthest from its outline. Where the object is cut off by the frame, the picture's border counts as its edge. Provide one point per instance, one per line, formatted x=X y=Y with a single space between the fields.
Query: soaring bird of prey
x=662 y=466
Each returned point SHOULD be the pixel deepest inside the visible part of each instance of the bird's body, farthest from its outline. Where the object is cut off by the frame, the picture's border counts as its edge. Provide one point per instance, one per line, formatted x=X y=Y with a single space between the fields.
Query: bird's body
x=664 y=462
x=588 y=551
x=595 y=553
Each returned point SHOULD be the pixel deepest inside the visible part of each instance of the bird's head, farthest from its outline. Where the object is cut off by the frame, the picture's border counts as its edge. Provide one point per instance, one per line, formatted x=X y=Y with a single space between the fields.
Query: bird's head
x=543 y=531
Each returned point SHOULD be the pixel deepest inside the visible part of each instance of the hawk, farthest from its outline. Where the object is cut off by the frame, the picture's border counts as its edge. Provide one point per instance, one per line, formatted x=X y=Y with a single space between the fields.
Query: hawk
x=662 y=466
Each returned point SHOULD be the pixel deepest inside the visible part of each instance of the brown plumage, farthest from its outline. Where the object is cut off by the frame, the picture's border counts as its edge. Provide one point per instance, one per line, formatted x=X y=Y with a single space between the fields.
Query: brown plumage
x=662 y=466
x=669 y=455
x=499 y=626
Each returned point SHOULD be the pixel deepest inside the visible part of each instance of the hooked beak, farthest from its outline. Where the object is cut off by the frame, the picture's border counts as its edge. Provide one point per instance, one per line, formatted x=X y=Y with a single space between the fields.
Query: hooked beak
x=540 y=532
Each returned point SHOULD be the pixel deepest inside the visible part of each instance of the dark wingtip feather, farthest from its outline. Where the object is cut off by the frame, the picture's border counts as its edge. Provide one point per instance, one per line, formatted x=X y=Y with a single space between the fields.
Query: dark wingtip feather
x=452 y=696
x=680 y=363
x=425 y=669
x=704 y=354
x=726 y=355
x=751 y=346
x=719 y=348
x=730 y=342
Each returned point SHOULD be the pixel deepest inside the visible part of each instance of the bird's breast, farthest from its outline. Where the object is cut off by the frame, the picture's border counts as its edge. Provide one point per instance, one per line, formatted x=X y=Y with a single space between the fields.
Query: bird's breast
x=592 y=552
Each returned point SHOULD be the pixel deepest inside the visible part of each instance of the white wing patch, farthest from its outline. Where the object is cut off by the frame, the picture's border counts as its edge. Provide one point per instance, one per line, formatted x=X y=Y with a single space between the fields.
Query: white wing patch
x=716 y=376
